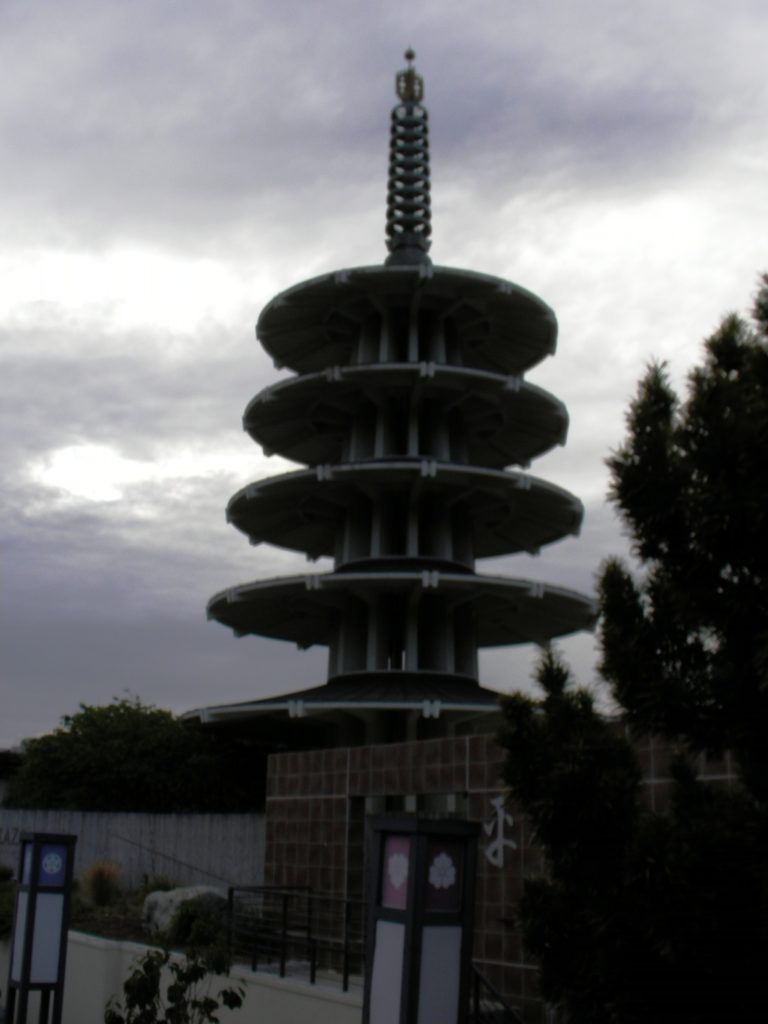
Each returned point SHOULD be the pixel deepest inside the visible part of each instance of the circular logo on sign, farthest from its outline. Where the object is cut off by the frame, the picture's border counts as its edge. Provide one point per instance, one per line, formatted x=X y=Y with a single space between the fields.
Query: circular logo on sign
x=52 y=863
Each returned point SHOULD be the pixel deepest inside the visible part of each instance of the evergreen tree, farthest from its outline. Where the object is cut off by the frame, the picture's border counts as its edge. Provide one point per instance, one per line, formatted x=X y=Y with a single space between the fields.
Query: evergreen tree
x=647 y=916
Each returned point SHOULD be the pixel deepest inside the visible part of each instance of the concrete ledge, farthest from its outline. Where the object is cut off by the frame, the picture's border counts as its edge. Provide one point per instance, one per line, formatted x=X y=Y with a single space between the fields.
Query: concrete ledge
x=96 y=969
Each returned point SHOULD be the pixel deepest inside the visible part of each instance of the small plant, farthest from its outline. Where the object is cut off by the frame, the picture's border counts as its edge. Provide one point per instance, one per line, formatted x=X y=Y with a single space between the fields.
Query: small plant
x=155 y=883
x=199 y=923
x=100 y=883
x=187 y=999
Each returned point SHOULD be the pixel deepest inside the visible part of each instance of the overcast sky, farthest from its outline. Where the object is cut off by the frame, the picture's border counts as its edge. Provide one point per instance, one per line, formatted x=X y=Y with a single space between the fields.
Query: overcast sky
x=166 y=166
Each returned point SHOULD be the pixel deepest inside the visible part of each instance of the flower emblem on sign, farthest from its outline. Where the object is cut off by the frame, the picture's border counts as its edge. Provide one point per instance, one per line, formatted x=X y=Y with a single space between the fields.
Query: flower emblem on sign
x=397 y=869
x=442 y=872
x=52 y=863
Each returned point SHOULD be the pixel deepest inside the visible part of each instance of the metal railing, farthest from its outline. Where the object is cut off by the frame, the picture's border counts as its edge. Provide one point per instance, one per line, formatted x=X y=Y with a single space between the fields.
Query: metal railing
x=488 y=1005
x=297 y=931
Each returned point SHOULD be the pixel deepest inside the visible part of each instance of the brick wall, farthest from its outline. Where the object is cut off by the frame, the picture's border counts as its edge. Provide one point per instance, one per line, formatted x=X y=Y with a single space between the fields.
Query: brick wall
x=315 y=812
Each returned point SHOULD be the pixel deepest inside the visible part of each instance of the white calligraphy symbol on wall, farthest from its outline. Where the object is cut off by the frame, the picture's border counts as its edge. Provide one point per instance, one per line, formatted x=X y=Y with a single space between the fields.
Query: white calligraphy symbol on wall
x=495 y=851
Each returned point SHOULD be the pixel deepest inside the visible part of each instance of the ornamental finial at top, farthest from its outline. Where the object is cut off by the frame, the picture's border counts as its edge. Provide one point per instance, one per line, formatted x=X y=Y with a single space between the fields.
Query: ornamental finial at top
x=408 y=206
x=408 y=85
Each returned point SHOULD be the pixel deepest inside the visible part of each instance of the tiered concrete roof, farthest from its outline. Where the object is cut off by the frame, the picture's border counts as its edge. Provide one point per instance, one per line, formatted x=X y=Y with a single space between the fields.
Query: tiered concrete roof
x=407 y=407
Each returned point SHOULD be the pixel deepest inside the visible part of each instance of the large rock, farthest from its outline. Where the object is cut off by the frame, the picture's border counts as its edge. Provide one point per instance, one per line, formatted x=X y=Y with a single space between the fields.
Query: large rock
x=159 y=907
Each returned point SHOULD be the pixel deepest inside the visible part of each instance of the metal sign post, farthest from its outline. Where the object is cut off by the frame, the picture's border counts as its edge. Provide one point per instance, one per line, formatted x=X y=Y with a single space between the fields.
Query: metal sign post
x=421 y=911
x=39 y=940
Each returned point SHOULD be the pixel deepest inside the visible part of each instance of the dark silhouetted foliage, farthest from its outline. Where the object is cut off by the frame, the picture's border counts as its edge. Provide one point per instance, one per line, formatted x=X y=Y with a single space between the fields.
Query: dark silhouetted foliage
x=647 y=916
x=167 y=989
x=127 y=756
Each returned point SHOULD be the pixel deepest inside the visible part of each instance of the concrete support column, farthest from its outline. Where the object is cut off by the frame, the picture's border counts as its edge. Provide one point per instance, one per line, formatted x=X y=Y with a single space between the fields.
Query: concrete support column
x=412 y=632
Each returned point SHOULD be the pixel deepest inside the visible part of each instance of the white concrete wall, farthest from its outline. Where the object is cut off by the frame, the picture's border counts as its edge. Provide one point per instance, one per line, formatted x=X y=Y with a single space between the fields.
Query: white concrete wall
x=96 y=969
x=218 y=849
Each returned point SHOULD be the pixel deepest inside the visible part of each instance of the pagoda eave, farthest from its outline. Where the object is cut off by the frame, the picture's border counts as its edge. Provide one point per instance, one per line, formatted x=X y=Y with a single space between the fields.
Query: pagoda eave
x=500 y=326
x=431 y=694
x=507 y=420
x=305 y=609
x=507 y=512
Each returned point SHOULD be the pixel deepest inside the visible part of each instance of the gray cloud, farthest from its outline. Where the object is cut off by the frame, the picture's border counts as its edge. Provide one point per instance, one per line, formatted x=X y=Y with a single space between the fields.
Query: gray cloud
x=57 y=661
x=177 y=124
x=610 y=158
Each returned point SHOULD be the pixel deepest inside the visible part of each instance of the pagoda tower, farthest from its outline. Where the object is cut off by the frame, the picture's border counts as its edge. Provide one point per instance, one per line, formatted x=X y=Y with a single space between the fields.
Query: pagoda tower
x=407 y=407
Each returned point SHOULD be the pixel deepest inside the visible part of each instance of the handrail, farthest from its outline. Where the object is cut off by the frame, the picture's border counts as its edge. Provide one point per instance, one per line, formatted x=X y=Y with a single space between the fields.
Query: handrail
x=292 y=926
x=295 y=925
x=483 y=993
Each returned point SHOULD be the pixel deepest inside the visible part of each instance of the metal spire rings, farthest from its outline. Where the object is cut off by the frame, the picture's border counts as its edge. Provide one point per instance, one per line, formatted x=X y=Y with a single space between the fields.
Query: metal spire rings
x=408 y=209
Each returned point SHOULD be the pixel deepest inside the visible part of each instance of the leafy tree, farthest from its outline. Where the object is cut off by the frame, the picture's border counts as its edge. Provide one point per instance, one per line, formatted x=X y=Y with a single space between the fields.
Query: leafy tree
x=128 y=756
x=647 y=916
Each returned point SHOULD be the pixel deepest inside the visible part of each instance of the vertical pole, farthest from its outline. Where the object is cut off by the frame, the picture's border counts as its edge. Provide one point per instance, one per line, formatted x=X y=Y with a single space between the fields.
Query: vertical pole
x=285 y=898
x=45 y=999
x=311 y=939
x=345 y=953
x=58 y=1004
x=230 y=921
x=29 y=930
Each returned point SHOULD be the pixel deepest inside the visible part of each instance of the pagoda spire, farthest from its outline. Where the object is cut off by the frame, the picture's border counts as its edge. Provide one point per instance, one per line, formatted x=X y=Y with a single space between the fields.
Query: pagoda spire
x=409 y=224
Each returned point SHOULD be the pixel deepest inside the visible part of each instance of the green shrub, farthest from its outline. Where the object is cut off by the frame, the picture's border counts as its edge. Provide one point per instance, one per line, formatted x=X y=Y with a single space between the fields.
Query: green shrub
x=199 y=923
x=155 y=883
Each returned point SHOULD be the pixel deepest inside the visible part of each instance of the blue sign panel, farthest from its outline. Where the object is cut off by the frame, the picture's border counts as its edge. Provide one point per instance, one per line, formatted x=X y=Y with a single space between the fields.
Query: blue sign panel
x=53 y=864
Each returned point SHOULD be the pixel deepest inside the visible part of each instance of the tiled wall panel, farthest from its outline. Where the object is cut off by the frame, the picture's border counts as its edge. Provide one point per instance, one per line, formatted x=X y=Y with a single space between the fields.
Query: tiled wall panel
x=315 y=829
